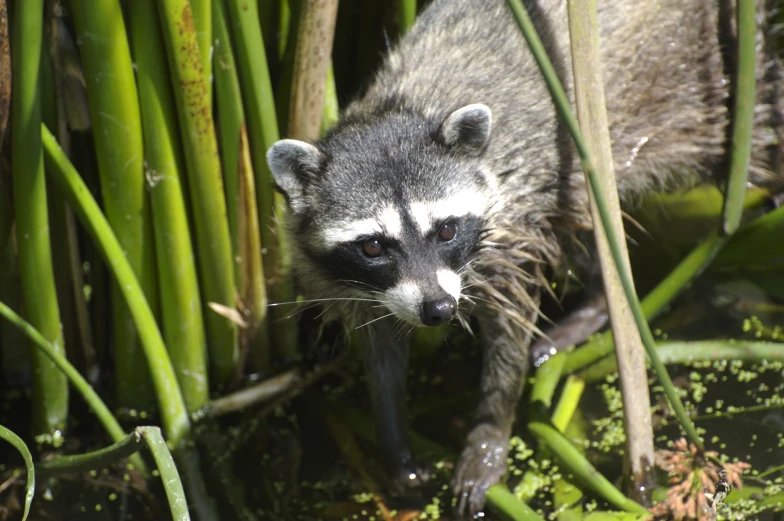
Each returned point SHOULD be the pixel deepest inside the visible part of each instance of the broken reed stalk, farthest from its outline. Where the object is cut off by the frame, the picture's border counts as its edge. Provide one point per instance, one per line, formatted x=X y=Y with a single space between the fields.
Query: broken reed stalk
x=630 y=353
x=262 y=124
x=238 y=175
x=565 y=112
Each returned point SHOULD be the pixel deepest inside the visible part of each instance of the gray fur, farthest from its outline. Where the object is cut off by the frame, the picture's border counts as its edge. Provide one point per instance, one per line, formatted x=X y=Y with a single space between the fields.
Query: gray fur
x=667 y=83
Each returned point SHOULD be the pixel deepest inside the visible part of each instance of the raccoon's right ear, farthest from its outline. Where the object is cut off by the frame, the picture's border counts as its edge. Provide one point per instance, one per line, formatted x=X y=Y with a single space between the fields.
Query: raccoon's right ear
x=294 y=164
x=468 y=128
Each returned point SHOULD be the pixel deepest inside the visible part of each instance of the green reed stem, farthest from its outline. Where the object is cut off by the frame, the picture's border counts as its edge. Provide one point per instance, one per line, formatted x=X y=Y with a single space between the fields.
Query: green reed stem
x=50 y=389
x=114 y=107
x=125 y=447
x=202 y=19
x=20 y=446
x=289 y=14
x=6 y=210
x=508 y=506
x=331 y=111
x=170 y=478
x=564 y=109
x=173 y=412
x=546 y=381
x=406 y=12
x=183 y=326
x=568 y=402
x=204 y=179
x=231 y=119
x=573 y=461
x=699 y=351
x=743 y=116
x=97 y=406
x=758 y=242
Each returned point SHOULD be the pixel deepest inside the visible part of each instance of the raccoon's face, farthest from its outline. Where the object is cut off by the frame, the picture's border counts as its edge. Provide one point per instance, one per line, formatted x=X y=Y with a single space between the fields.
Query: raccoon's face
x=390 y=208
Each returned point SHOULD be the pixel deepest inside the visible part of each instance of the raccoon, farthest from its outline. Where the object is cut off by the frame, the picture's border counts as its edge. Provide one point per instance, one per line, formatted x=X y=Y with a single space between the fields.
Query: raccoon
x=450 y=187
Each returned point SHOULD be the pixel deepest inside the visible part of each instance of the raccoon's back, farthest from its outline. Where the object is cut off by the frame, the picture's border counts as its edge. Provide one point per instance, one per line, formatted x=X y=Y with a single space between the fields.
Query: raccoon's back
x=666 y=86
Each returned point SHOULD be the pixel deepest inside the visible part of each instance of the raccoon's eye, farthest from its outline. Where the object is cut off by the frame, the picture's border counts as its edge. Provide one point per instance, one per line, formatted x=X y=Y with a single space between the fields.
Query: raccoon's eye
x=447 y=231
x=372 y=248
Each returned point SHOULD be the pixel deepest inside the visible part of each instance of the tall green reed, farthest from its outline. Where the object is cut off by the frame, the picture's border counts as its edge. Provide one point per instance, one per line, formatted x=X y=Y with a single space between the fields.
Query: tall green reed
x=50 y=390
x=117 y=131
x=208 y=201
x=181 y=306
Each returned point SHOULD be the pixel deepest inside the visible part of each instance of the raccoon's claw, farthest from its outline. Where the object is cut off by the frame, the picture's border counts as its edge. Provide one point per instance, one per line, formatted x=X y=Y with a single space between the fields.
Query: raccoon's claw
x=481 y=465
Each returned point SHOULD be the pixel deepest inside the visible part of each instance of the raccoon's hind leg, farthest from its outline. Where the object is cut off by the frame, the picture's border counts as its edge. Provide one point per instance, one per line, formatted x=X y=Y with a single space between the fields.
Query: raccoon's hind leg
x=386 y=364
x=483 y=460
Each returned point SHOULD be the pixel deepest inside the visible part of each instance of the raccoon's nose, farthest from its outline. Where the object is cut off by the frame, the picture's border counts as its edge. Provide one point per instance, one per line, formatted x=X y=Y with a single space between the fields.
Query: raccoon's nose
x=436 y=312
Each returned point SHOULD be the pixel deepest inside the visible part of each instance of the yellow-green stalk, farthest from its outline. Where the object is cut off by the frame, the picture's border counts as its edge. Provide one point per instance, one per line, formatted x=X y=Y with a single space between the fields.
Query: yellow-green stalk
x=407 y=10
x=202 y=19
x=50 y=389
x=200 y=147
x=743 y=115
x=331 y=111
x=114 y=107
x=183 y=326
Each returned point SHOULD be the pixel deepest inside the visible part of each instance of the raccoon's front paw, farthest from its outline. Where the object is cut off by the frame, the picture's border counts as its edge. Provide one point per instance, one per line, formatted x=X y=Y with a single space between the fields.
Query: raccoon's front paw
x=481 y=465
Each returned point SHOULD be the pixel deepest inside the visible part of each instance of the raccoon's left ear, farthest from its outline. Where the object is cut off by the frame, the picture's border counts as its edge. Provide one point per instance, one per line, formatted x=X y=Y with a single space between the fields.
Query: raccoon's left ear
x=468 y=128
x=294 y=165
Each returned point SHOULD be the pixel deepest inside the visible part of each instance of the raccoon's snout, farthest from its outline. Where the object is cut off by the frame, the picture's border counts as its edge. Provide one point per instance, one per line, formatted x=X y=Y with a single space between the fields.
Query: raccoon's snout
x=436 y=312
x=423 y=301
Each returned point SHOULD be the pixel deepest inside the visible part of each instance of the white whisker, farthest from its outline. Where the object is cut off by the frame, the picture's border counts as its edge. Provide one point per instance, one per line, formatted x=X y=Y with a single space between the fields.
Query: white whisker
x=299 y=311
x=325 y=310
x=374 y=320
x=323 y=300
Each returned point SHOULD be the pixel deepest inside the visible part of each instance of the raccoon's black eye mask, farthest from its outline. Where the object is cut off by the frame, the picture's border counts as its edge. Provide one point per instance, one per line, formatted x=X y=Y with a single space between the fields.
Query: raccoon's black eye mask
x=375 y=246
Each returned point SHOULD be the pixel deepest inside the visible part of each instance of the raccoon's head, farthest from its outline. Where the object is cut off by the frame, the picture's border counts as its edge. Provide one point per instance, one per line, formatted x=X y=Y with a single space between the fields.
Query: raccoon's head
x=390 y=207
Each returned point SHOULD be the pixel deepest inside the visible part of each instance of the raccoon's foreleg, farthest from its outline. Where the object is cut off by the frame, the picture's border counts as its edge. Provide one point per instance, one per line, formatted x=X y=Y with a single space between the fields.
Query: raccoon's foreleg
x=483 y=460
x=386 y=364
